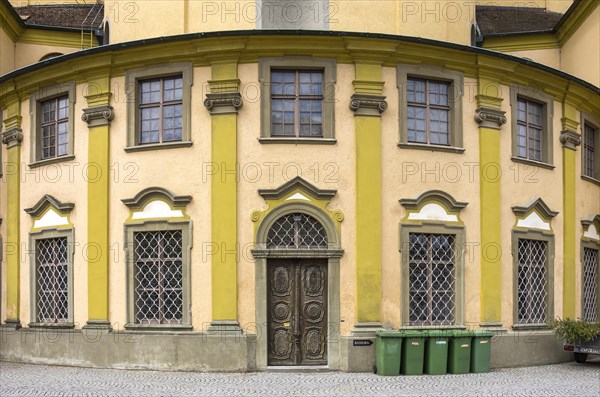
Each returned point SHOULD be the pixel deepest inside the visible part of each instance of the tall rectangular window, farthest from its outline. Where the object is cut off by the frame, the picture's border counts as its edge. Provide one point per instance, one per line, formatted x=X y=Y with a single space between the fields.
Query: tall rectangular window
x=158 y=277
x=590 y=285
x=428 y=111
x=52 y=280
x=532 y=281
x=297 y=103
x=590 y=157
x=529 y=129
x=160 y=110
x=431 y=279
x=55 y=127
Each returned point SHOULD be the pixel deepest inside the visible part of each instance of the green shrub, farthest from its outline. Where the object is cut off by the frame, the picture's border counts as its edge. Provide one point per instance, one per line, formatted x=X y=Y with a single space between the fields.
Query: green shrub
x=575 y=330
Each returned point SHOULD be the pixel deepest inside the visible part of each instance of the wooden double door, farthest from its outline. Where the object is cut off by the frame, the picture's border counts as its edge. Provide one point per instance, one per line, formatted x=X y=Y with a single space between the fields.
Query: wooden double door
x=297 y=311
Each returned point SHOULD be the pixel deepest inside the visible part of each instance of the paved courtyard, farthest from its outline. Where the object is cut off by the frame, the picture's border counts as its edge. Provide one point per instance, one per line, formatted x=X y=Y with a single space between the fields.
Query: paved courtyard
x=567 y=379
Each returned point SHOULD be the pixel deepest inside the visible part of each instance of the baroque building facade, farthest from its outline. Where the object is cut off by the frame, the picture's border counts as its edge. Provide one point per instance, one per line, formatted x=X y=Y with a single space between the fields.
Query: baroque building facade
x=240 y=186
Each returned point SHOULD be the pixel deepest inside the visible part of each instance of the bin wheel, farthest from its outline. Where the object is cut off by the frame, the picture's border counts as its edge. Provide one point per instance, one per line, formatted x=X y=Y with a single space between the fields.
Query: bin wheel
x=580 y=357
x=375 y=369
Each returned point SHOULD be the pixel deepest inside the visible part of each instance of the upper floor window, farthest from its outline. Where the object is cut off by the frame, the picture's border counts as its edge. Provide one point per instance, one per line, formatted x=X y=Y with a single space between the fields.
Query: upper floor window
x=160 y=110
x=52 y=124
x=159 y=106
x=591 y=151
x=532 y=113
x=299 y=104
x=430 y=108
x=428 y=111
x=55 y=127
x=529 y=129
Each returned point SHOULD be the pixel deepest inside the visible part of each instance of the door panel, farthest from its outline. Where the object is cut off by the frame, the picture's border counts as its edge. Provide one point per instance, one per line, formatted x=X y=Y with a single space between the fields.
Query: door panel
x=297 y=312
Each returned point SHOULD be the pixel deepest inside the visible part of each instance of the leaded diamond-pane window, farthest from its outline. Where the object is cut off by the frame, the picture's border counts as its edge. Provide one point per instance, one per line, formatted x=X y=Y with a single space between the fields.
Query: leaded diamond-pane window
x=297 y=231
x=590 y=286
x=158 y=275
x=431 y=279
x=532 y=281
x=52 y=280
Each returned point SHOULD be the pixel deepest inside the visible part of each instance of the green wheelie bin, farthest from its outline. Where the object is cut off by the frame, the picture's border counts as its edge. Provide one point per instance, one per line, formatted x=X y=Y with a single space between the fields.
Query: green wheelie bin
x=459 y=352
x=481 y=351
x=436 y=352
x=413 y=352
x=388 y=348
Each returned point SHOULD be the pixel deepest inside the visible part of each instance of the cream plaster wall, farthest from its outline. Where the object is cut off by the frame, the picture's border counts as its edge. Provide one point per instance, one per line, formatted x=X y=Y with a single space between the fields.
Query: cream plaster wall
x=66 y=182
x=3 y=208
x=7 y=53
x=407 y=174
x=179 y=170
x=580 y=55
x=520 y=185
x=27 y=54
x=587 y=195
x=325 y=166
x=549 y=57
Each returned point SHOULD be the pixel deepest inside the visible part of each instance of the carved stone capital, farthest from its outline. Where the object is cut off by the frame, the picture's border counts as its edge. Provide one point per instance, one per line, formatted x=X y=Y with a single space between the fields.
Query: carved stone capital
x=368 y=105
x=570 y=139
x=12 y=137
x=98 y=115
x=490 y=118
x=223 y=103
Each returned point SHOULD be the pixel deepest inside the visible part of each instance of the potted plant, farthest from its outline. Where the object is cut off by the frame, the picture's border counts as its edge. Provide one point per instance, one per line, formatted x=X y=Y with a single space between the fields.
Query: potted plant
x=580 y=337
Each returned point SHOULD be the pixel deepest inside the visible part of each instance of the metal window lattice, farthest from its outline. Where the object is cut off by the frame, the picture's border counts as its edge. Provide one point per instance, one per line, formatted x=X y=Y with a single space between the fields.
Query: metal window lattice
x=297 y=231
x=158 y=277
x=52 y=280
x=590 y=287
x=532 y=282
x=431 y=279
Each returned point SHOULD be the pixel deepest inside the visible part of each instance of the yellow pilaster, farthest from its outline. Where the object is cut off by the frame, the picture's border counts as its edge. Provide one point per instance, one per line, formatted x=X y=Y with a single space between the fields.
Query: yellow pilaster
x=570 y=139
x=490 y=119
x=368 y=104
x=98 y=116
x=12 y=137
x=223 y=101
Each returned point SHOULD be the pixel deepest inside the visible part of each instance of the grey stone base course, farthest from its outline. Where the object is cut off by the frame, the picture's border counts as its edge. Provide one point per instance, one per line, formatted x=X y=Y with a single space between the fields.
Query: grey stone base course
x=527 y=348
x=226 y=352
x=157 y=350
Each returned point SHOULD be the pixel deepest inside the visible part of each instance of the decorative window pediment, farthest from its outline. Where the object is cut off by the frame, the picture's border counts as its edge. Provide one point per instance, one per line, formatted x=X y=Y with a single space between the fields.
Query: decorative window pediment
x=297 y=217
x=534 y=215
x=49 y=212
x=433 y=206
x=591 y=228
x=297 y=189
x=156 y=203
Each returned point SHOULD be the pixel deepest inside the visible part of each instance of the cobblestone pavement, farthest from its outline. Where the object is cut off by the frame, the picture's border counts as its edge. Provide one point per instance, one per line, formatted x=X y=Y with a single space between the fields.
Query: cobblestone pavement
x=567 y=379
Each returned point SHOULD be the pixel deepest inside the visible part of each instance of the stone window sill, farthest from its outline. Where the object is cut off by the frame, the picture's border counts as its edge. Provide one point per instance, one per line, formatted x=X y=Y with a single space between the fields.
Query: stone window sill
x=52 y=325
x=54 y=160
x=433 y=148
x=530 y=327
x=158 y=327
x=157 y=146
x=590 y=179
x=299 y=141
x=532 y=163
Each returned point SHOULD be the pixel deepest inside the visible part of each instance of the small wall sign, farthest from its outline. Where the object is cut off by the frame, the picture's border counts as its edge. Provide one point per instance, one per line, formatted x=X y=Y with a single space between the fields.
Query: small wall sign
x=362 y=342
